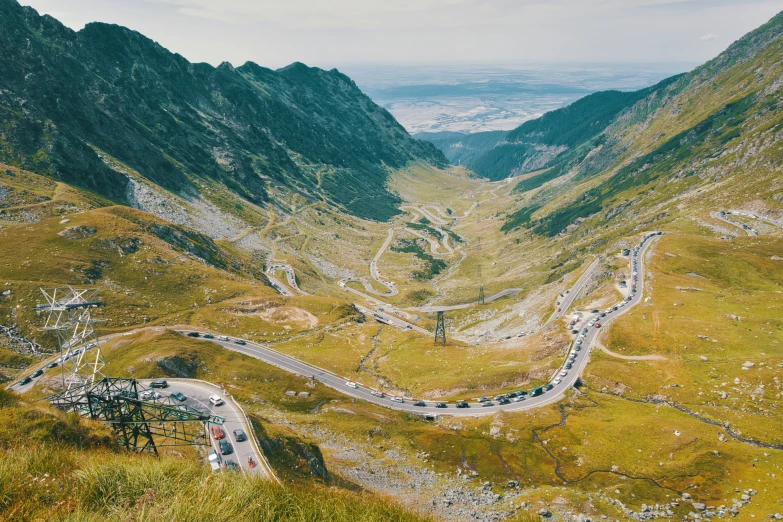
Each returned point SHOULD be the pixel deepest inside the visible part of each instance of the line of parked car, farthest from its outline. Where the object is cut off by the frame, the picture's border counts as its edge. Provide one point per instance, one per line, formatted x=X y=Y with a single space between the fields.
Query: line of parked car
x=220 y=337
x=57 y=362
x=507 y=398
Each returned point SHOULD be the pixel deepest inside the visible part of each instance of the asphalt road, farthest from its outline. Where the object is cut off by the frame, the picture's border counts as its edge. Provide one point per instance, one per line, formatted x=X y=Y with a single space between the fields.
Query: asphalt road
x=724 y=217
x=289 y=273
x=391 y=319
x=340 y=384
x=198 y=393
x=755 y=216
x=445 y=308
x=568 y=298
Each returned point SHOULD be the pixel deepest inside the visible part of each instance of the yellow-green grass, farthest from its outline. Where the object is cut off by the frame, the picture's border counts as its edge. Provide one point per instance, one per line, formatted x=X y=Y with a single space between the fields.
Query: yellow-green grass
x=59 y=467
x=456 y=371
x=707 y=326
x=600 y=431
x=421 y=183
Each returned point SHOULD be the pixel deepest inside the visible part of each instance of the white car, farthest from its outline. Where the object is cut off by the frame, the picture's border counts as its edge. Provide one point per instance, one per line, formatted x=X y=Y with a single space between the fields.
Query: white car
x=563 y=373
x=223 y=338
x=351 y=384
x=216 y=400
x=591 y=323
x=214 y=456
x=397 y=399
x=557 y=380
x=149 y=395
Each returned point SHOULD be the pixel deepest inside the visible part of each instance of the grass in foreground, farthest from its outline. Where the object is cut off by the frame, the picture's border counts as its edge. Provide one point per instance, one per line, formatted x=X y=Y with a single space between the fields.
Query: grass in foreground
x=56 y=466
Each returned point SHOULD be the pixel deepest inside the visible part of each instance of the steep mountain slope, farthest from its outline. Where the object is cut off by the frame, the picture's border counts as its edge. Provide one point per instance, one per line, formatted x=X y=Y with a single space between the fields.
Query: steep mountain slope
x=65 y=96
x=556 y=138
x=722 y=120
x=463 y=149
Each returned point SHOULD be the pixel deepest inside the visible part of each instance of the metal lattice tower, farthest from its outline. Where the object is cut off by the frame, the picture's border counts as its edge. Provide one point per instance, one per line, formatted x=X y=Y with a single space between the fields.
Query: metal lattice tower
x=143 y=423
x=70 y=317
x=142 y=419
x=481 y=285
x=440 y=330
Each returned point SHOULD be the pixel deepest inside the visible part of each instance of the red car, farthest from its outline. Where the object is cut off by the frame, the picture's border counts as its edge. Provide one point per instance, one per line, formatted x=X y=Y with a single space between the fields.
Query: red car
x=217 y=432
x=598 y=325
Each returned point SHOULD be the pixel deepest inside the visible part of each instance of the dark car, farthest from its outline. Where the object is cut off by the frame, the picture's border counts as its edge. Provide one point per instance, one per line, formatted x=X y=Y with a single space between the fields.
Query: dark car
x=239 y=435
x=37 y=373
x=568 y=366
x=511 y=395
x=593 y=311
x=503 y=400
x=574 y=332
x=230 y=464
x=239 y=341
x=179 y=396
x=548 y=387
x=483 y=399
x=193 y=334
x=463 y=404
x=584 y=330
x=160 y=383
x=603 y=314
x=52 y=364
x=225 y=447
x=522 y=393
x=441 y=405
x=25 y=380
x=420 y=403
x=210 y=336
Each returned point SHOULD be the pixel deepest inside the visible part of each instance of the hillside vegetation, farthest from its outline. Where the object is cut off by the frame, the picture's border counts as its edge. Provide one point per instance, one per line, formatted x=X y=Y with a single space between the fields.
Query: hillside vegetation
x=66 y=96
x=554 y=139
x=56 y=466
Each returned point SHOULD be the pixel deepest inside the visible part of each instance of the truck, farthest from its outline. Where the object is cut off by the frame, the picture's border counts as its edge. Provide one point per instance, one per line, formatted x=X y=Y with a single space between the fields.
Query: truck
x=535 y=392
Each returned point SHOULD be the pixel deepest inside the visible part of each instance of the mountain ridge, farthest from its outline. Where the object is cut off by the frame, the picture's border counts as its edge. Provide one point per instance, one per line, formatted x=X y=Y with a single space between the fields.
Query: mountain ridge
x=110 y=88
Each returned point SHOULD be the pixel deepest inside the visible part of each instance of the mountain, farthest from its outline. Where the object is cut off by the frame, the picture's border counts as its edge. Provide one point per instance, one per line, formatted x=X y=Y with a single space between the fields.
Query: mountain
x=721 y=120
x=460 y=148
x=69 y=99
x=553 y=139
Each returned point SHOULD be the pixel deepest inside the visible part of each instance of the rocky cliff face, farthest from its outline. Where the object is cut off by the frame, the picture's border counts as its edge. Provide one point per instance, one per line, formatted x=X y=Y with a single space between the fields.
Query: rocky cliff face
x=67 y=97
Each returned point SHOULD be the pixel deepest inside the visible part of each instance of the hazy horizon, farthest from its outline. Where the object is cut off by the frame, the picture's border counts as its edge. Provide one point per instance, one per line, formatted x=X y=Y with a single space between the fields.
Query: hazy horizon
x=426 y=32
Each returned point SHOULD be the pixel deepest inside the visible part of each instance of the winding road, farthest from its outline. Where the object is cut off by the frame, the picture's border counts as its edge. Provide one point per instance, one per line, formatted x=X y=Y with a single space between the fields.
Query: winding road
x=581 y=352
x=723 y=216
x=579 y=356
x=197 y=393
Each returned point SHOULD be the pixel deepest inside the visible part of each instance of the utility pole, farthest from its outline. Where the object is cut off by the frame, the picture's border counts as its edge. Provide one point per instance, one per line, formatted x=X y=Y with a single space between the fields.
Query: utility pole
x=481 y=285
x=440 y=330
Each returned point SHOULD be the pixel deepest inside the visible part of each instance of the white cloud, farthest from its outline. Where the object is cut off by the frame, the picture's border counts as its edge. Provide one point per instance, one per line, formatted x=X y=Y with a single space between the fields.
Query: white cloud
x=334 y=32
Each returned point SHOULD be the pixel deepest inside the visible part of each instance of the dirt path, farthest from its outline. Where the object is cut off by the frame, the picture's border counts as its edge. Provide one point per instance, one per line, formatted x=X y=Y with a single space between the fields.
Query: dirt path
x=607 y=351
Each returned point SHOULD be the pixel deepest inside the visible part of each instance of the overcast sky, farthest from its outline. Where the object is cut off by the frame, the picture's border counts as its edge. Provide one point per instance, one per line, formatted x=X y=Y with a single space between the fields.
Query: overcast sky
x=329 y=33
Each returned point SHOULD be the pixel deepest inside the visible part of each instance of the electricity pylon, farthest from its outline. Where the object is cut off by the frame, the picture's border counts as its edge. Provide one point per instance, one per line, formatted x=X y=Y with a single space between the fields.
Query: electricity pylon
x=70 y=317
x=440 y=330
x=142 y=420
x=481 y=285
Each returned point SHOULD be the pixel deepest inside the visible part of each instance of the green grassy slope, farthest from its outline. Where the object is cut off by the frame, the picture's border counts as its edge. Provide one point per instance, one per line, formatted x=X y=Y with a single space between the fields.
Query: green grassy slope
x=722 y=121
x=556 y=138
x=58 y=467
